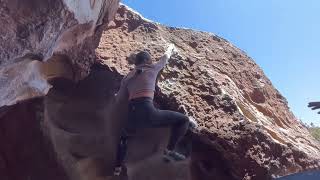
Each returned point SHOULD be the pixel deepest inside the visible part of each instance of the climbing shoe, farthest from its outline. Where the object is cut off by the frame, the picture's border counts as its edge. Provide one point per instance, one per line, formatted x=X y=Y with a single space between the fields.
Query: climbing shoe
x=117 y=171
x=169 y=156
x=192 y=123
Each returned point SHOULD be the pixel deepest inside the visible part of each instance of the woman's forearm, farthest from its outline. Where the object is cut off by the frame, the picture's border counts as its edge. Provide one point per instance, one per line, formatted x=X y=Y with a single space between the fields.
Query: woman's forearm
x=165 y=58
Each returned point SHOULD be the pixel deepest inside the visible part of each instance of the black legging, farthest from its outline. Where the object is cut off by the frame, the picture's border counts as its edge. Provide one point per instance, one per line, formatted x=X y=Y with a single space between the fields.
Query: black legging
x=142 y=114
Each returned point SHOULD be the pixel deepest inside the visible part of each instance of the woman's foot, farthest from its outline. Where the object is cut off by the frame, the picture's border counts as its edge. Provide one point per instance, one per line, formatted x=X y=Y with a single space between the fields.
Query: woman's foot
x=192 y=123
x=117 y=171
x=169 y=156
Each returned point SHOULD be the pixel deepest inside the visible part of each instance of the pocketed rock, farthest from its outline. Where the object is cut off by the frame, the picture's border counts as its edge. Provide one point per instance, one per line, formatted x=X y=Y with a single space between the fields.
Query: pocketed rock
x=244 y=121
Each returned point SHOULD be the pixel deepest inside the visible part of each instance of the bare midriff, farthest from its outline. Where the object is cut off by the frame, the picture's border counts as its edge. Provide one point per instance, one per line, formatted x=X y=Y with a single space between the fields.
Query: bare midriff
x=142 y=94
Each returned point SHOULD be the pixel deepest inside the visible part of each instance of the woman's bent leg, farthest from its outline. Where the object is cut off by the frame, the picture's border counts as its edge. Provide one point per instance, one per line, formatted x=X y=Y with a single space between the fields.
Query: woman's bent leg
x=178 y=122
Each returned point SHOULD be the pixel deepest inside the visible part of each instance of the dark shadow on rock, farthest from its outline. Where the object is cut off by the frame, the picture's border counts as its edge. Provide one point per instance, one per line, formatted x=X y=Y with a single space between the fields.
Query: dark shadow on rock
x=209 y=161
x=25 y=151
x=85 y=121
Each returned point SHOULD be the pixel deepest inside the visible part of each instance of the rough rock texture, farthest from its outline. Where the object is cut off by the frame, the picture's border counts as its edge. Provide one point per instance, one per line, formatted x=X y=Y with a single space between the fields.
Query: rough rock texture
x=246 y=129
x=45 y=30
x=41 y=40
x=243 y=118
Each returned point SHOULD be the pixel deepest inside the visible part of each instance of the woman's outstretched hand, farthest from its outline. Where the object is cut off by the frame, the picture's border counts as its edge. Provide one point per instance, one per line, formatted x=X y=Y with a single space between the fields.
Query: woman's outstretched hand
x=170 y=50
x=314 y=106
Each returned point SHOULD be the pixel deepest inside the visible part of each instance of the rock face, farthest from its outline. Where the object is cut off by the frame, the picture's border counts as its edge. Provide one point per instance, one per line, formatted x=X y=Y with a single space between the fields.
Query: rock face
x=71 y=132
x=247 y=130
x=41 y=40
x=25 y=152
x=46 y=30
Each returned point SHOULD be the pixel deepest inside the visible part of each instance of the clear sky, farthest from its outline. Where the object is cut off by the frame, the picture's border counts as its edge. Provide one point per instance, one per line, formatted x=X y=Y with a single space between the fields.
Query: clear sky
x=282 y=36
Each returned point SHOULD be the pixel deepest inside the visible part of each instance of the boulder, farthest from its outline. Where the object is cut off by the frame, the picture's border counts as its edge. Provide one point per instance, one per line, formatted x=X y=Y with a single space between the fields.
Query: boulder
x=244 y=121
x=61 y=65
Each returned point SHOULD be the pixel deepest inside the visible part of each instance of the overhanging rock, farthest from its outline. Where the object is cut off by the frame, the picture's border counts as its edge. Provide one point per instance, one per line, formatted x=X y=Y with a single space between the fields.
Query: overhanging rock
x=43 y=30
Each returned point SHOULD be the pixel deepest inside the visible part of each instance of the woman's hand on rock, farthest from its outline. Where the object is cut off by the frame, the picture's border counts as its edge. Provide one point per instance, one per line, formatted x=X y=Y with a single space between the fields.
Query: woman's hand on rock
x=170 y=50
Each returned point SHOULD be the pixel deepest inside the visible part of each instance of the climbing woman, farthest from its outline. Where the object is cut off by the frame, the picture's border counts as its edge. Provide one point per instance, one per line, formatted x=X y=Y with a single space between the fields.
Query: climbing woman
x=140 y=86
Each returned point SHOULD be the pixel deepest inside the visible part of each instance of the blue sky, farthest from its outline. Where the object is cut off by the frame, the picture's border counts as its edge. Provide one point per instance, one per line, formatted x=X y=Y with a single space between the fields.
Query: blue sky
x=282 y=36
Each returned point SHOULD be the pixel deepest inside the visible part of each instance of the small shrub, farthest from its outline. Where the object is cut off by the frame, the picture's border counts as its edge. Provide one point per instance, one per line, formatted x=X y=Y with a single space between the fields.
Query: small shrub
x=315 y=132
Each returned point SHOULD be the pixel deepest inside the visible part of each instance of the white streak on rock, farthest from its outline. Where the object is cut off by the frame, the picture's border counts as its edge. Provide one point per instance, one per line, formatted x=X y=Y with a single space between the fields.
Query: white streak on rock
x=22 y=81
x=85 y=10
x=135 y=12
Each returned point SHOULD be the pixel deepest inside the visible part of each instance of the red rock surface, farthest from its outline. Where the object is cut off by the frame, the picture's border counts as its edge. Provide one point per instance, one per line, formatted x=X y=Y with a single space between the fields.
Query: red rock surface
x=244 y=119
